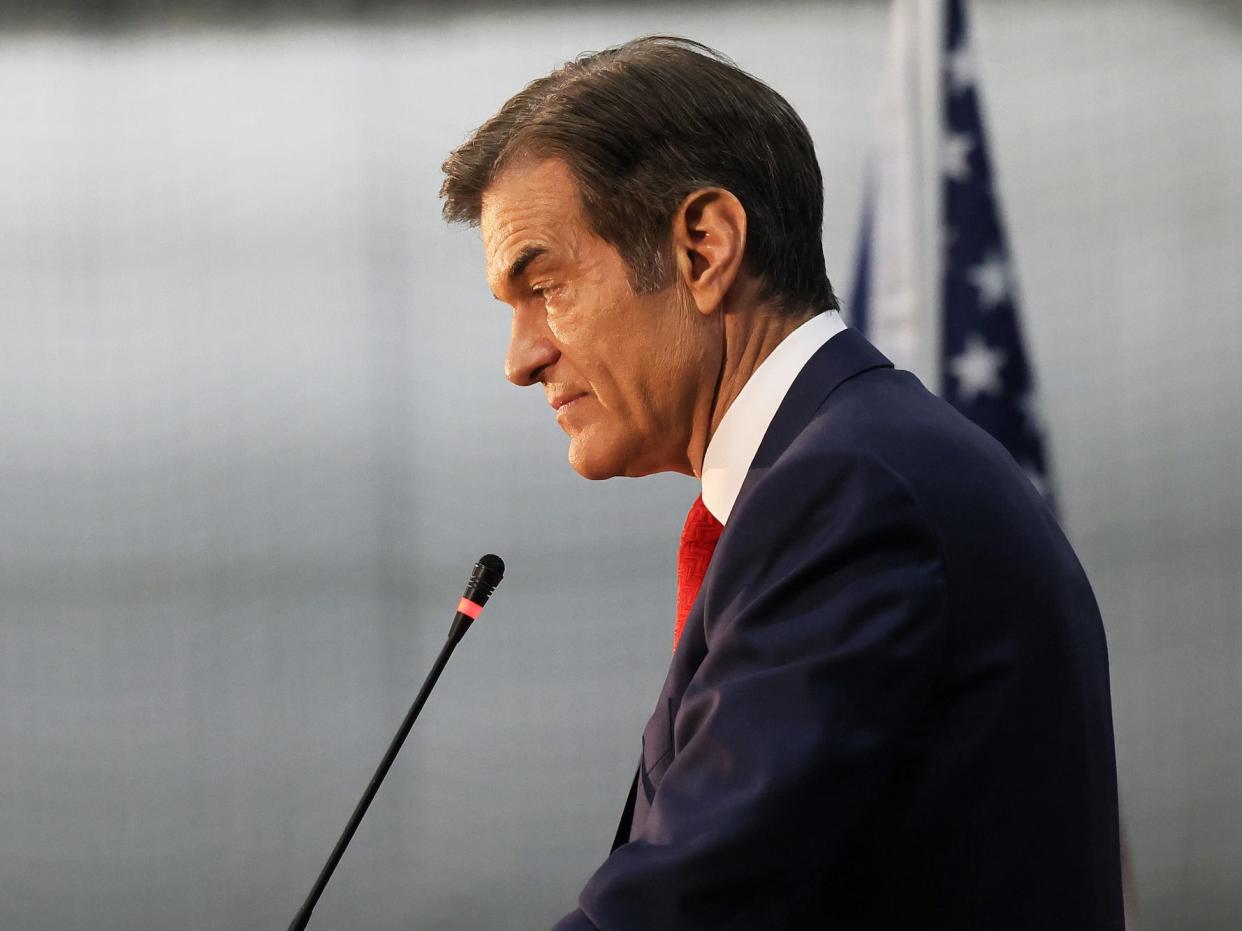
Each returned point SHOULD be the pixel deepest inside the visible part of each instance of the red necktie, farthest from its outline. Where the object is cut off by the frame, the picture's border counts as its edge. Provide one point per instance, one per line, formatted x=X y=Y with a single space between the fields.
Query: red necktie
x=698 y=542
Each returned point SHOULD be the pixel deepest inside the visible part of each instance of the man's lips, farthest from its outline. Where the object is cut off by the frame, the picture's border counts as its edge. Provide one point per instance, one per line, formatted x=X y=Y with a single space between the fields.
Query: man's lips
x=561 y=401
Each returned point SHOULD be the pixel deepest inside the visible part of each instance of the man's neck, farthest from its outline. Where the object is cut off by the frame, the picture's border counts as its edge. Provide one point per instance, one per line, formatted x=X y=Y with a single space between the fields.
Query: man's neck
x=749 y=338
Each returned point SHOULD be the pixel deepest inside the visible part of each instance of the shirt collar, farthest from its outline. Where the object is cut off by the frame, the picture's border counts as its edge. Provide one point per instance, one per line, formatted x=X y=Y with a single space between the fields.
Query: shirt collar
x=732 y=447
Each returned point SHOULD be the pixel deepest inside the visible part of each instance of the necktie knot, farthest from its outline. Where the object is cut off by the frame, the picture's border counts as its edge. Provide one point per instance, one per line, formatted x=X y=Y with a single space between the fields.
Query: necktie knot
x=698 y=542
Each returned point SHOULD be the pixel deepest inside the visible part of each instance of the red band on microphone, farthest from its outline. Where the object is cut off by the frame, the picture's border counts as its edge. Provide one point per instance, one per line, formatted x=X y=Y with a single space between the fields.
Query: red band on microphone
x=470 y=609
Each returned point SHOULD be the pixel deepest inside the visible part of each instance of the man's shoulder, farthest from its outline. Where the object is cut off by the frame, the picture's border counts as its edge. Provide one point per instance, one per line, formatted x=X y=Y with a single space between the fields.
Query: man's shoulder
x=888 y=415
x=852 y=459
x=881 y=437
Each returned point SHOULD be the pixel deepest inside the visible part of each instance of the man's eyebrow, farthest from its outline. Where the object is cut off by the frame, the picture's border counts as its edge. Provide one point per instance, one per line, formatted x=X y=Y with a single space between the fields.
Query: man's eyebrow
x=519 y=265
x=525 y=257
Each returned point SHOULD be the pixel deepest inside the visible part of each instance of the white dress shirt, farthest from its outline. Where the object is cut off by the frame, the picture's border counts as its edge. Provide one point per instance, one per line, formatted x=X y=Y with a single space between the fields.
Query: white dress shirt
x=732 y=447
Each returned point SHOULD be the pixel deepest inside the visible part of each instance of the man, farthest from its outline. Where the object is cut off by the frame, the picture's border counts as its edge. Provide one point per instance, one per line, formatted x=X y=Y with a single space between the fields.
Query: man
x=888 y=704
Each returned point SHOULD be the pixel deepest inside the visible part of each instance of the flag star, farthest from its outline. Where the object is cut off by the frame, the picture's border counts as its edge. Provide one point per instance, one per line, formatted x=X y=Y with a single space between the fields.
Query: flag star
x=991 y=278
x=960 y=65
x=955 y=156
x=977 y=369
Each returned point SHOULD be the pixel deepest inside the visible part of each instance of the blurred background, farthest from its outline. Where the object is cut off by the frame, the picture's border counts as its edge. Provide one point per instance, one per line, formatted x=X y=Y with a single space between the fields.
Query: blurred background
x=254 y=432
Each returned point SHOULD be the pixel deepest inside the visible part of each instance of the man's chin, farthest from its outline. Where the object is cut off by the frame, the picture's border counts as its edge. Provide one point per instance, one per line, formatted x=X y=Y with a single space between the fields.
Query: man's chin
x=600 y=460
x=591 y=464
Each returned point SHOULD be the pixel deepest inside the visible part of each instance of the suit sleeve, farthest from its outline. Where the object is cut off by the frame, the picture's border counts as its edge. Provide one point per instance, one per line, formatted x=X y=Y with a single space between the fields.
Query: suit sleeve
x=824 y=641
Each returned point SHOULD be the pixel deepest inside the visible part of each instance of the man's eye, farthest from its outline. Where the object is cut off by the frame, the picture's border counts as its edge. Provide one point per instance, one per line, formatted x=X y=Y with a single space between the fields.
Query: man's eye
x=544 y=292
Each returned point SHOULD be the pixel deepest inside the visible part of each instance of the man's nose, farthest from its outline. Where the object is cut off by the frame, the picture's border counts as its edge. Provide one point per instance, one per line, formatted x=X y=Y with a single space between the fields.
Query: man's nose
x=531 y=350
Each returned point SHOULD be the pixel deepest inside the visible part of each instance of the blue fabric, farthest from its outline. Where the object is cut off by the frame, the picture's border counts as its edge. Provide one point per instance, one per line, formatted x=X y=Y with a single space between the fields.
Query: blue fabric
x=981 y=322
x=890 y=705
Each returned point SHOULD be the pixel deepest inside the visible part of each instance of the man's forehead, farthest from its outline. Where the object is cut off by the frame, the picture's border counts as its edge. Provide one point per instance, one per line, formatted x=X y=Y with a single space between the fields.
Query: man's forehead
x=529 y=190
x=527 y=211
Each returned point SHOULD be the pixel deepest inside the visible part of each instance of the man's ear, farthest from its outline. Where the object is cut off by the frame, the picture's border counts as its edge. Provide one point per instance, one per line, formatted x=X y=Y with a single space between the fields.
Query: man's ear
x=709 y=240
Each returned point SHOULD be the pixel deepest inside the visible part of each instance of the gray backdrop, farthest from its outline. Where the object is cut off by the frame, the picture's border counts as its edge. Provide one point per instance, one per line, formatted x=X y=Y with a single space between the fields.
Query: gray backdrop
x=253 y=432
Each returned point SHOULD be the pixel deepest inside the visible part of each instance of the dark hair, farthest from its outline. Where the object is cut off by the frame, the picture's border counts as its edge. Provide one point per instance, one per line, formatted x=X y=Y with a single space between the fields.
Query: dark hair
x=643 y=125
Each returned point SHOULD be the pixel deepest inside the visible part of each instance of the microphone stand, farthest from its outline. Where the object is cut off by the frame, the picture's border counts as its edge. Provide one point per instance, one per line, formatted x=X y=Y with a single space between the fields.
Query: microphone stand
x=486 y=576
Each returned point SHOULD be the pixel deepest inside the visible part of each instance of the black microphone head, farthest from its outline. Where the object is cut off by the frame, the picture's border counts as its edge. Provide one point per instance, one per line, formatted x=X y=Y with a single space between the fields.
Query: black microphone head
x=494 y=565
x=488 y=572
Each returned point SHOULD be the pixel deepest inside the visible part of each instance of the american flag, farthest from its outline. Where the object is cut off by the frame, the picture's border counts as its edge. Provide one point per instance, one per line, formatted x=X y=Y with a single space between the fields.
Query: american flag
x=983 y=367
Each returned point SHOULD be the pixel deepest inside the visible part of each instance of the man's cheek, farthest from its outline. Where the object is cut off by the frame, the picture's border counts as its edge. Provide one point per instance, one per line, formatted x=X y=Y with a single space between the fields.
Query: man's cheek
x=567 y=322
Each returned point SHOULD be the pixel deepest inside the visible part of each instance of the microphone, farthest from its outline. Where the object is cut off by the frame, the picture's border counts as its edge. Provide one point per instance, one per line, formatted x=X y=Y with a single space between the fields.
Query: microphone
x=488 y=572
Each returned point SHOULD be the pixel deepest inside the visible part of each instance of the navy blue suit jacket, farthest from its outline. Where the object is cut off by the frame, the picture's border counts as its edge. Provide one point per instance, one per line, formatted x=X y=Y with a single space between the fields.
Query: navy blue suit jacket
x=890 y=705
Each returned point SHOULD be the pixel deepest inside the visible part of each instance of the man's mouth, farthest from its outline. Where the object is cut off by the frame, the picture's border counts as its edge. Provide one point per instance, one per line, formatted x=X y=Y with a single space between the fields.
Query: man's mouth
x=563 y=402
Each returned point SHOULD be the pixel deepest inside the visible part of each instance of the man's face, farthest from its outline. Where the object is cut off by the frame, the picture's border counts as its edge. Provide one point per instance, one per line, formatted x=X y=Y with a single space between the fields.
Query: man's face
x=625 y=373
